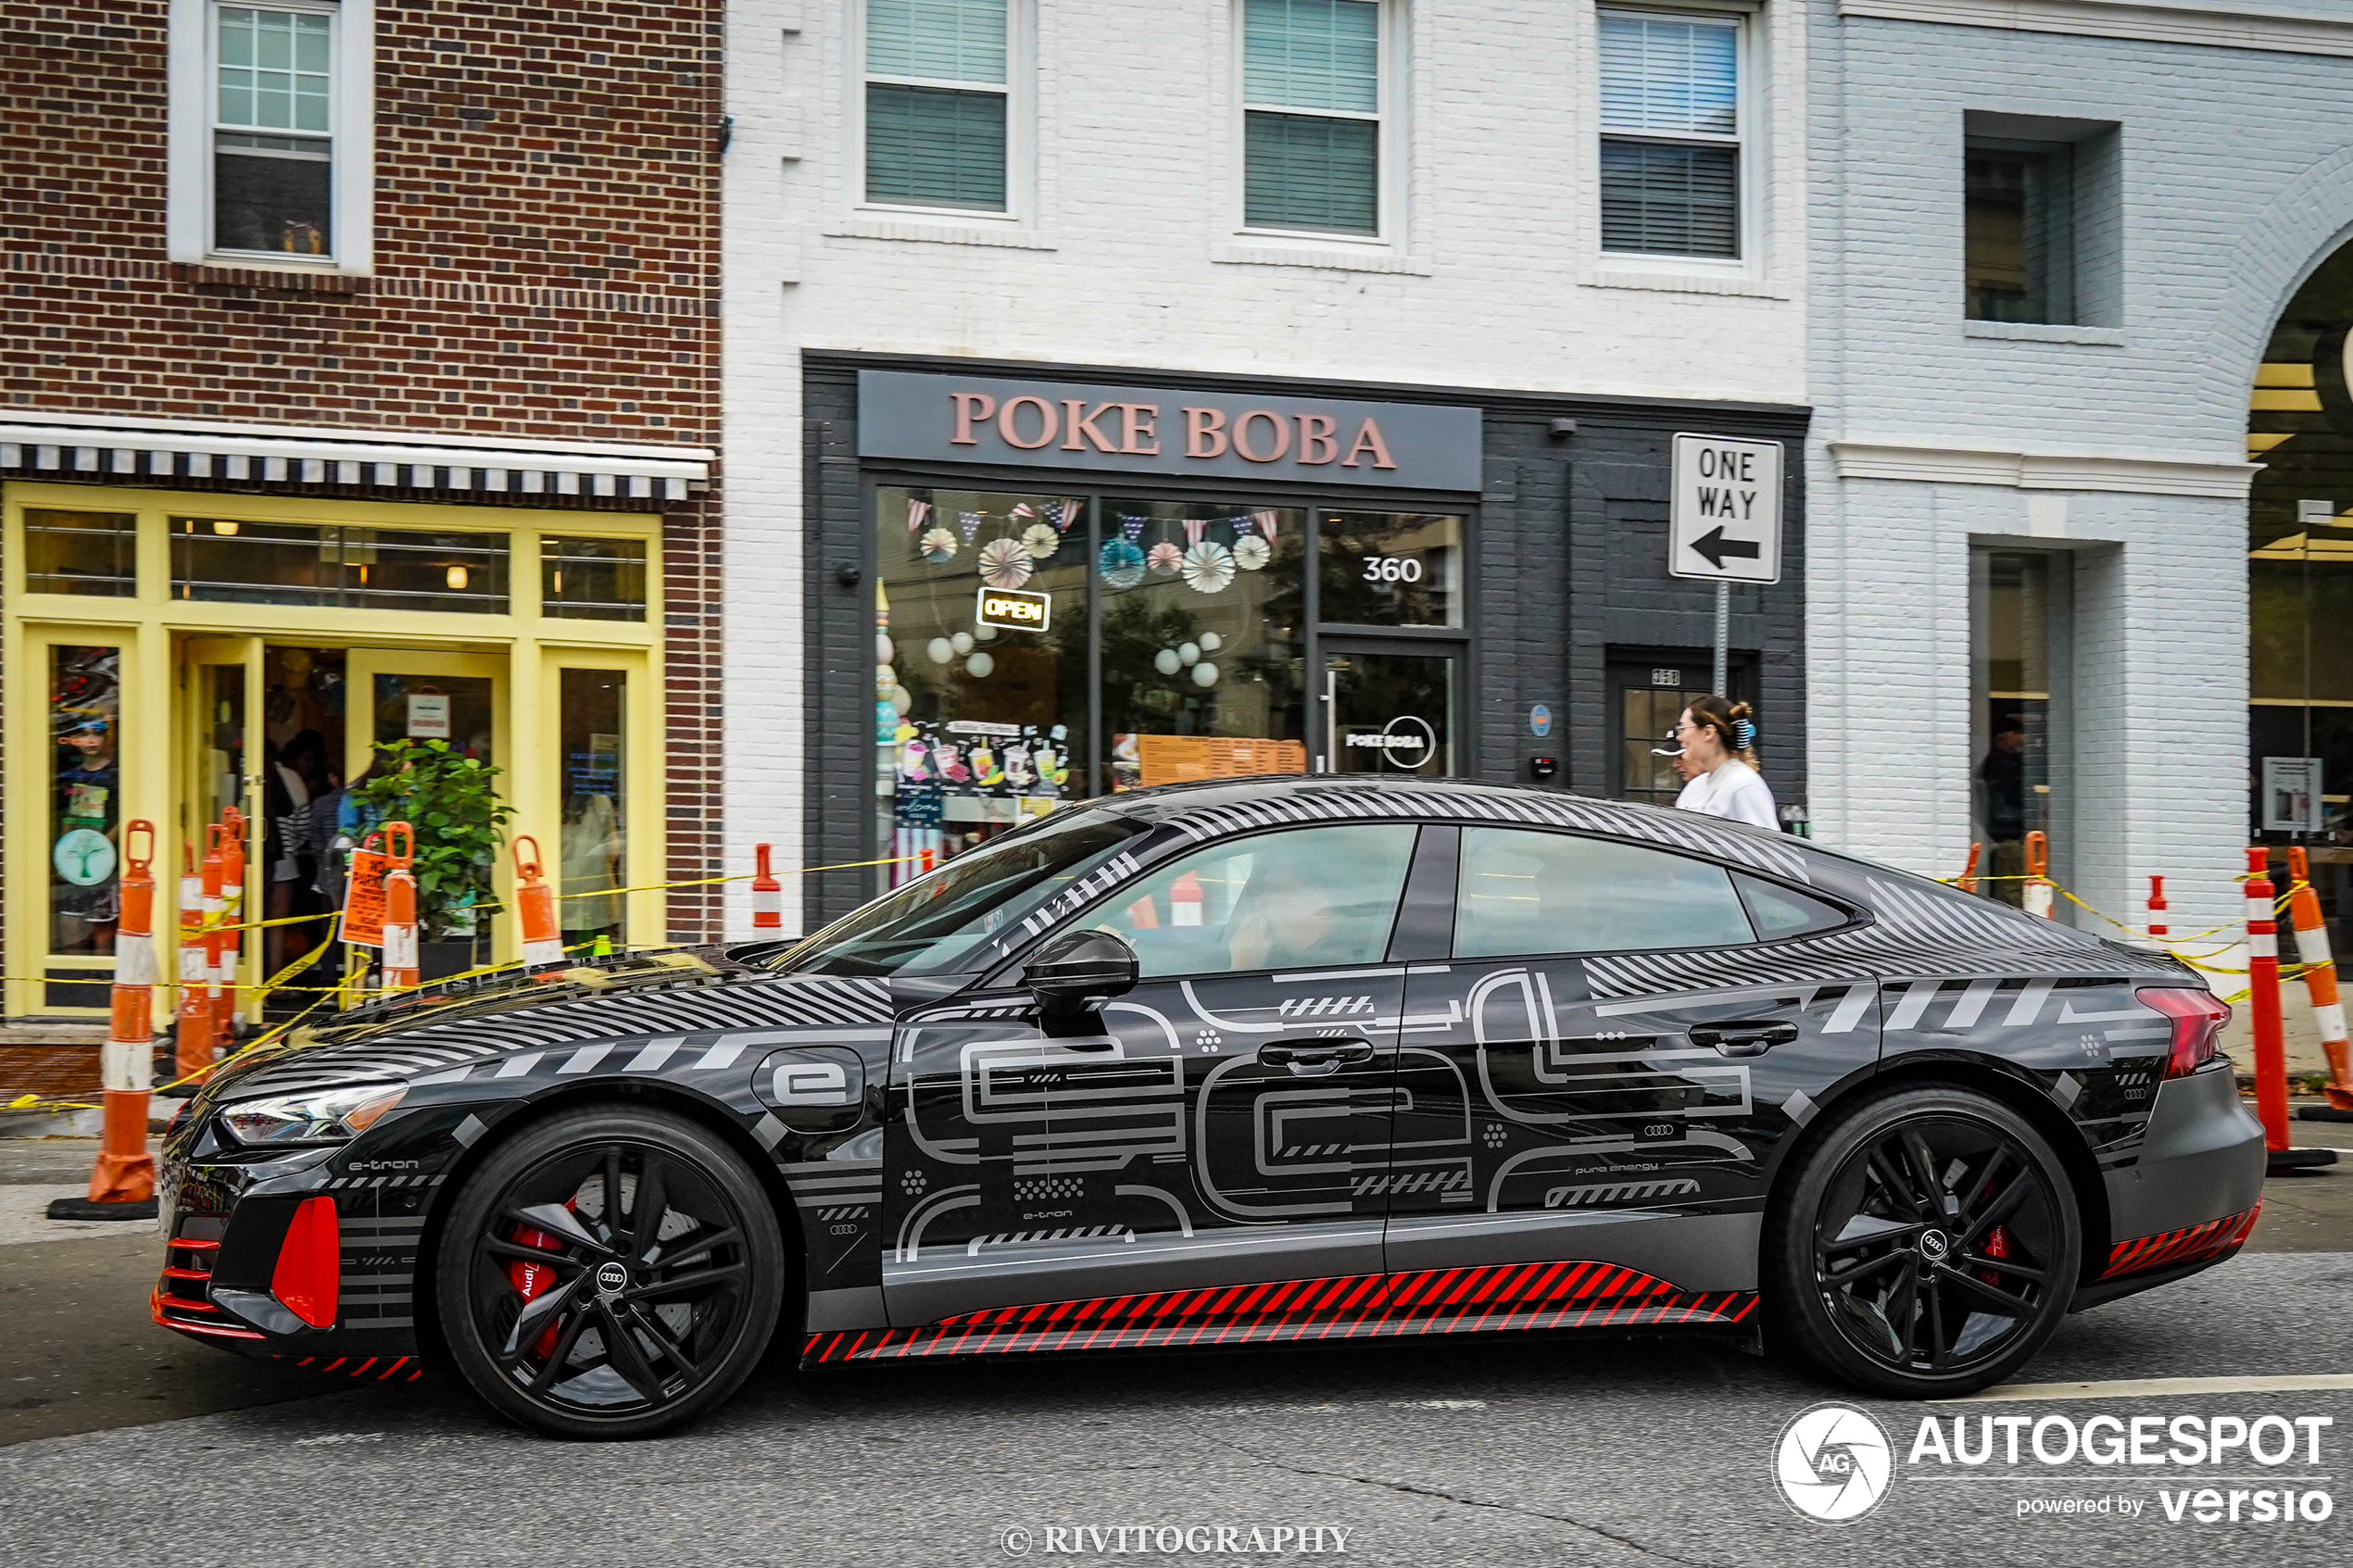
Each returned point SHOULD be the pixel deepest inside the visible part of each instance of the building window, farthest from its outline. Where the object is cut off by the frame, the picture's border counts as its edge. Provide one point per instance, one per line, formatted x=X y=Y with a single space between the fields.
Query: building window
x=81 y=553
x=1312 y=115
x=233 y=560
x=2021 y=231
x=937 y=103
x=1672 y=135
x=273 y=139
x=592 y=579
x=85 y=712
x=594 y=833
x=2020 y=713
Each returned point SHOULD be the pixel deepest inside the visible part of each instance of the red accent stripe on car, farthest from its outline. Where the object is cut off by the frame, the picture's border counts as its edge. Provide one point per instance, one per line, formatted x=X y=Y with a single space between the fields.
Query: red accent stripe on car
x=2190 y=1244
x=1453 y=1301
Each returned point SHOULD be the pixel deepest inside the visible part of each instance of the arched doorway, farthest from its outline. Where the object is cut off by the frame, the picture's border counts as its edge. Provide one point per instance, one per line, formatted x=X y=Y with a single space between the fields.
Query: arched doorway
x=2300 y=584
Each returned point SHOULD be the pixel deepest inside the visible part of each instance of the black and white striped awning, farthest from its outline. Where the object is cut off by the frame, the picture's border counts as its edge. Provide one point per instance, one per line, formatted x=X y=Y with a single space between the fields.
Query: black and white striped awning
x=36 y=444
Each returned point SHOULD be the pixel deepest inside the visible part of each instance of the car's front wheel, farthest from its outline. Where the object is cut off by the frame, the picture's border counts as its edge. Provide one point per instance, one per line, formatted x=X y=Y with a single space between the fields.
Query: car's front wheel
x=1928 y=1246
x=609 y=1273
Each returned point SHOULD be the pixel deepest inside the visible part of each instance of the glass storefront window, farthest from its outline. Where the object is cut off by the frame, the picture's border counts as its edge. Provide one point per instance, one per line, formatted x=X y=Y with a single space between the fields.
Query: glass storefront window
x=456 y=709
x=93 y=553
x=1390 y=568
x=2014 y=714
x=1392 y=714
x=592 y=579
x=401 y=569
x=594 y=842
x=1204 y=610
x=85 y=796
x=976 y=724
x=237 y=560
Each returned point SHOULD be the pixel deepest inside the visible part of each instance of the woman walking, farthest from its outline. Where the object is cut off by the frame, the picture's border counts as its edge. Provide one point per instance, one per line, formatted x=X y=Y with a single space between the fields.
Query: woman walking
x=1719 y=742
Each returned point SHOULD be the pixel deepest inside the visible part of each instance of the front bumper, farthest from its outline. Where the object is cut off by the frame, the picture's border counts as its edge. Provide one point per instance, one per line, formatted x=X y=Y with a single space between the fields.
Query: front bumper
x=2191 y=1199
x=227 y=1213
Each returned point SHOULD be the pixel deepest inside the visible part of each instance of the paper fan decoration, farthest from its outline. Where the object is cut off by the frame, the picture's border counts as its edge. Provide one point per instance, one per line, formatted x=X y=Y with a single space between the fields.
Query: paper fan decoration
x=1251 y=552
x=1004 y=564
x=1164 y=559
x=1121 y=563
x=938 y=545
x=1039 y=540
x=1209 y=566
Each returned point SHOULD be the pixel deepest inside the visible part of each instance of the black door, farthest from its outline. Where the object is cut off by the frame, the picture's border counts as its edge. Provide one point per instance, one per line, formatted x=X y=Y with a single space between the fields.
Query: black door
x=1227 y=1121
x=1648 y=690
x=1604 y=1066
x=1390 y=709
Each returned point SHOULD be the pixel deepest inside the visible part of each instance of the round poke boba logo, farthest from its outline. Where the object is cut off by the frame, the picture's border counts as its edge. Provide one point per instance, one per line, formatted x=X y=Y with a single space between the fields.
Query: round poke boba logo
x=1834 y=1463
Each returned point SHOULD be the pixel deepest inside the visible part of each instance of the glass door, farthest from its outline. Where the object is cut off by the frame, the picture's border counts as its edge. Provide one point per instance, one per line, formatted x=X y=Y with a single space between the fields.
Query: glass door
x=1389 y=710
x=220 y=767
x=403 y=699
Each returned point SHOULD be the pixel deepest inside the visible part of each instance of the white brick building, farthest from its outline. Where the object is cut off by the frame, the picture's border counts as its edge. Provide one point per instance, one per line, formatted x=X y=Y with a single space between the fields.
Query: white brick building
x=1122 y=241
x=2102 y=433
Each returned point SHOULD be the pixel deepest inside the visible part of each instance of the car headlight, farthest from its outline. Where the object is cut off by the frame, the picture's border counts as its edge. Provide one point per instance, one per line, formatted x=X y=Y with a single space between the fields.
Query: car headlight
x=319 y=1116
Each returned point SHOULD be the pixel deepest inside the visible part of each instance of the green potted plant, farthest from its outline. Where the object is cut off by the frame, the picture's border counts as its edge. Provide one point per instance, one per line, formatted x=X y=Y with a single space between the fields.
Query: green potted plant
x=452 y=803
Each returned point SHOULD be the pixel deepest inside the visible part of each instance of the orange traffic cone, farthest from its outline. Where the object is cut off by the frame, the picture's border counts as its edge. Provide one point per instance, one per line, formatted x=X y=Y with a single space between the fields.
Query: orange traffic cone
x=2320 y=980
x=767 y=894
x=401 y=908
x=232 y=943
x=542 y=947
x=193 y=1021
x=123 y=1182
x=2158 y=929
x=199 y=1034
x=2038 y=879
x=1966 y=881
x=2263 y=1007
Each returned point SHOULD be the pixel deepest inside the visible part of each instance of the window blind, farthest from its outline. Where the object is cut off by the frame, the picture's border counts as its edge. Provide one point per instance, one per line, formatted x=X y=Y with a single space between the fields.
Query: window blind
x=937 y=39
x=1670 y=128
x=1313 y=54
x=1313 y=170
x=1670 y=198
x=1664 y=75
x=926 y=146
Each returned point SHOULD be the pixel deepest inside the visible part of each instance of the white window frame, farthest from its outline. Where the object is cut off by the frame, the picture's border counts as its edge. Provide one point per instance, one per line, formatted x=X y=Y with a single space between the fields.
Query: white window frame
x=1021 y=121
x=1389 y=141
x=1748 y=134
x=193 y=42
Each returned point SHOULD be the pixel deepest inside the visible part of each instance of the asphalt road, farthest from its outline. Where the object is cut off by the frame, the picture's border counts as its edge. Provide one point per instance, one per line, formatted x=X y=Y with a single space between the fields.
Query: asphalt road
x=1510 y=1450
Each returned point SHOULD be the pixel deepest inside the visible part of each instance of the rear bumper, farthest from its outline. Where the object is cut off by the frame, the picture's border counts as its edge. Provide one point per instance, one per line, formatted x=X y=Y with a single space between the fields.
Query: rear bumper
x=2190 y=1199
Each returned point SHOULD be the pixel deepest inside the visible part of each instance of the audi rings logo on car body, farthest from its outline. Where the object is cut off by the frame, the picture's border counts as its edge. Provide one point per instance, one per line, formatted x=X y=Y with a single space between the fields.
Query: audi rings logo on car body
x=1834 y=1463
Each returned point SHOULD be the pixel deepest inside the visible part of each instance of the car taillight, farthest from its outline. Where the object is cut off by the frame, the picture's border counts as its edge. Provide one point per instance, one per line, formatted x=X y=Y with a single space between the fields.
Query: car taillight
x=2197 y=1022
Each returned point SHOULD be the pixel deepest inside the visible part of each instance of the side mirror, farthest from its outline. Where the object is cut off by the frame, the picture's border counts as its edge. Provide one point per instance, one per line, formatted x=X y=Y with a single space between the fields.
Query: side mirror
x=1075 y=968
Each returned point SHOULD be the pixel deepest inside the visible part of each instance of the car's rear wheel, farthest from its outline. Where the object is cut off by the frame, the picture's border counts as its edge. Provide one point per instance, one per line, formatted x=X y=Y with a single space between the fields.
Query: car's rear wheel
x=1928 y=1247
x=609 y=1273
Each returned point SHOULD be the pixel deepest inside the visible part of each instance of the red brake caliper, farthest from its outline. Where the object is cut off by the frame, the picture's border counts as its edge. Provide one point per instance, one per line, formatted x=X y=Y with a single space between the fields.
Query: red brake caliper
x=531 y=1278
x=1998 y=1245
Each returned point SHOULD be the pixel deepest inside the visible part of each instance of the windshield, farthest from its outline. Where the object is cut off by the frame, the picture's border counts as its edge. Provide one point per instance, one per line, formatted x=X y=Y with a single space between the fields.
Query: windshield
x=929 y=925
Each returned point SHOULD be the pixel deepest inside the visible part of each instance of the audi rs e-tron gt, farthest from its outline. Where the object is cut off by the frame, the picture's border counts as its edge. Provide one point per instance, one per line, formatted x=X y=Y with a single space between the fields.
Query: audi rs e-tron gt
x=1242 y=1062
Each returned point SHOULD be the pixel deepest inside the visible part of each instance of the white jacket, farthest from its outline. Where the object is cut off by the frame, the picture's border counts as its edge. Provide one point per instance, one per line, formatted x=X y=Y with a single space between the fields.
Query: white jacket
x=1732 y=790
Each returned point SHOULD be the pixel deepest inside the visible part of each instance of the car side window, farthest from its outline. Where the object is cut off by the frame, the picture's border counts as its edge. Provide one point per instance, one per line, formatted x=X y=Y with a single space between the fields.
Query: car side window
x=1522 y=893
x=1306 y=899
x=1779 y=912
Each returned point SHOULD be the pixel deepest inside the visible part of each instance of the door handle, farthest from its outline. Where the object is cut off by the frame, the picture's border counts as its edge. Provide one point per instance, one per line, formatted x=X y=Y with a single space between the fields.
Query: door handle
x=1745 y=1038
x=1313 y=1057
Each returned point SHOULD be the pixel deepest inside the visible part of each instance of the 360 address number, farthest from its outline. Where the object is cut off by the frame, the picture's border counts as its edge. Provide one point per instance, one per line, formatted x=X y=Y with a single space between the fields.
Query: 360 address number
x=1393 y=569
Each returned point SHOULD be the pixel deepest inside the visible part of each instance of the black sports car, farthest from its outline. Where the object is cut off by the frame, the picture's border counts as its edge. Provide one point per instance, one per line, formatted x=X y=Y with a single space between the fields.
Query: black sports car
x=1241 y=1062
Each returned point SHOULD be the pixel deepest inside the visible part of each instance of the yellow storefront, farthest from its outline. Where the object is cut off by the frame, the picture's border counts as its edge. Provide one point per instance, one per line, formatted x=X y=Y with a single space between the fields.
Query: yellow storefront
x=168 y=653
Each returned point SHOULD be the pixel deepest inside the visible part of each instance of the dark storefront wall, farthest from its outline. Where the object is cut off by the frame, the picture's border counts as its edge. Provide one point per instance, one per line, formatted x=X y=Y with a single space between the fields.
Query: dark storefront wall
x=1562 y=574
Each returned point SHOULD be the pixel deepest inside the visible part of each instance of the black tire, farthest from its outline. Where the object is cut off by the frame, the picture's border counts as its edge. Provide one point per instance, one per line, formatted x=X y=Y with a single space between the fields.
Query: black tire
x=1927 y=1246
x=631 y=1328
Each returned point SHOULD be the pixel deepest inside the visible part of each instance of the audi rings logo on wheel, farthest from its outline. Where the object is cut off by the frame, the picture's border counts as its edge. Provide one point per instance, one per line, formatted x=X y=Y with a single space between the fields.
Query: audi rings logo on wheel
x=612 y=1278
x=1834 y=1463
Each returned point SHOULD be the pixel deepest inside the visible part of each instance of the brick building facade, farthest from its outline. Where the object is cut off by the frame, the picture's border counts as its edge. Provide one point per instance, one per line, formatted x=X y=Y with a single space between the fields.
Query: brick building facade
x=391 y=277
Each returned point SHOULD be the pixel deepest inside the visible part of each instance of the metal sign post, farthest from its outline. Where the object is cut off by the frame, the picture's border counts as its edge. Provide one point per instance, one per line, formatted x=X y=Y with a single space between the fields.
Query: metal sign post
x=1726 y=522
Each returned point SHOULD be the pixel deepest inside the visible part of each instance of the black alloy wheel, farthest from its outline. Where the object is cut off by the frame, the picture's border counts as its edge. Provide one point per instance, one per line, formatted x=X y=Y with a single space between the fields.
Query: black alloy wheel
x=609 y=1273
x=1928 y=1245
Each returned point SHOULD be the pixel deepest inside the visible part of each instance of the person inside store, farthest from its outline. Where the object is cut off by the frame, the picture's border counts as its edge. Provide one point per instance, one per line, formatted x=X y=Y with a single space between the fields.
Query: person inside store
x=2001 y=806
x=298 y=778
x=1719 y=741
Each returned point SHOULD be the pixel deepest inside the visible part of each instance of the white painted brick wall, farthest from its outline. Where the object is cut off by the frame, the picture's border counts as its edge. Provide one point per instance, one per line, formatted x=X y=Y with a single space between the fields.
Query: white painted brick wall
x=1138 y=132
x=2238 y=180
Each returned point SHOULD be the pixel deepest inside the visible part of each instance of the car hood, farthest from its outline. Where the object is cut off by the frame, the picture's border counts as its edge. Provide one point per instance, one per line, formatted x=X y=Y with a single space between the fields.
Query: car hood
x=438 y=1028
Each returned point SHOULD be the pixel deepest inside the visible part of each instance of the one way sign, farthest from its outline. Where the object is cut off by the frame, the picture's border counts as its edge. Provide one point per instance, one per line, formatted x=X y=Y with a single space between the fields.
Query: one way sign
x=1727 y=521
